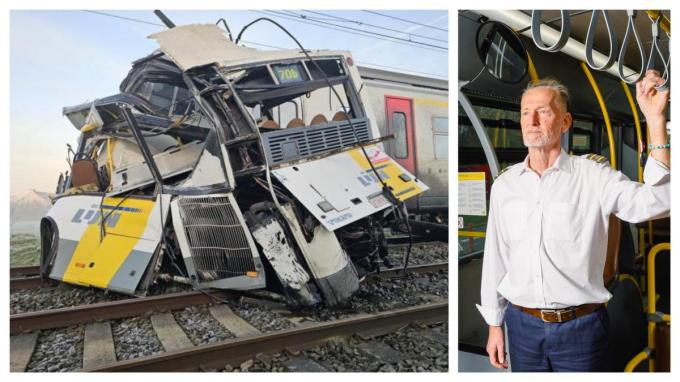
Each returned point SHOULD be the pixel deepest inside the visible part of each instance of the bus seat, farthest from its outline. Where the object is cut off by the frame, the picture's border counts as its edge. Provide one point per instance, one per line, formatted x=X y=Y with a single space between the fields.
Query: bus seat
x=611 y=265
x=318 y=119
x=628 y=323
x=295 y=122
x=340 y=116
x=662 y=333
x=84 y=172
x=268 y=124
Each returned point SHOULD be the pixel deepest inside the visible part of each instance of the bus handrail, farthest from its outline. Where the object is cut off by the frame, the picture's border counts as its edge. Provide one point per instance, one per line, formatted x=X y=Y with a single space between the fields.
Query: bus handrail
x=639 y=357
x=630 y=30
x=651 y=297
x=651 y=273
x=653 y=317
x=605 y=113
x=533 y=74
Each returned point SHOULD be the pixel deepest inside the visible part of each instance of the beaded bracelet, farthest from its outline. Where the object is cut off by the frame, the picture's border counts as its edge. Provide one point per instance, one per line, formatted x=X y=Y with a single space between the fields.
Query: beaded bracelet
x=659 y=147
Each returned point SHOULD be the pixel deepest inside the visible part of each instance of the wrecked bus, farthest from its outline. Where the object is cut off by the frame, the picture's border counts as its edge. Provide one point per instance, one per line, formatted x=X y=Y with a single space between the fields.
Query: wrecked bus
x=226 y=167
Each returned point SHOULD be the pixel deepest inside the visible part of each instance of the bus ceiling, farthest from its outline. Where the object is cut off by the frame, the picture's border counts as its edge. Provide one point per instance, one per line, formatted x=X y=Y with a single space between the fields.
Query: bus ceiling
x=557 y=65
x=579 y=29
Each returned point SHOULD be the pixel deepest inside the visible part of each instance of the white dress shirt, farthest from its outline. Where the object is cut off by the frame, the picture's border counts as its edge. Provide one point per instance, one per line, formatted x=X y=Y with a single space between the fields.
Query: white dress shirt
x=546 y=238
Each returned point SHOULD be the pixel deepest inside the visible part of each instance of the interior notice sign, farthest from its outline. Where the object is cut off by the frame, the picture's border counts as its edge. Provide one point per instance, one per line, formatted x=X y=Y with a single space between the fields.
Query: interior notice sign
x=471 y=193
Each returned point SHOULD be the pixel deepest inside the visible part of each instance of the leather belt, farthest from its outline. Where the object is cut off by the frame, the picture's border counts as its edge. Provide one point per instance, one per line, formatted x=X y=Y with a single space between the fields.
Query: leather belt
x=560 y=315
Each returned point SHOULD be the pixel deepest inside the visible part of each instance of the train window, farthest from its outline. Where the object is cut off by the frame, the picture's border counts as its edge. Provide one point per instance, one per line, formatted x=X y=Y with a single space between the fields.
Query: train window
x=440 y=130
x=400 y=138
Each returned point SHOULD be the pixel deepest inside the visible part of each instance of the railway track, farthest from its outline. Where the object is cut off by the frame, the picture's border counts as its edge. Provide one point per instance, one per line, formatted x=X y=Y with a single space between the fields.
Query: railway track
x=25 y=327
x=249 y=343
x=55 y=318
x=293 y=340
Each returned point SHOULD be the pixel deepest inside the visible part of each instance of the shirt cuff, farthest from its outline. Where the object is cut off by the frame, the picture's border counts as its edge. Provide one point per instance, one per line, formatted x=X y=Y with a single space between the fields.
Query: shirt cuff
x=493 y=317
x=656 y=173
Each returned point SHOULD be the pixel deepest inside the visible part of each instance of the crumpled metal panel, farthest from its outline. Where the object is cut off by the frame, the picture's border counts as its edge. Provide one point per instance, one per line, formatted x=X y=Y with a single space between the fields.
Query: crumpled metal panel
x=195 y=45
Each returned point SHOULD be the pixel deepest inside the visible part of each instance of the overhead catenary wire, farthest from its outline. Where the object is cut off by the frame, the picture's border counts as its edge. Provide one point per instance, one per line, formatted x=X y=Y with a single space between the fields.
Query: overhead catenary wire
x=261 y=44
x=124 y=18
x=358 y=32
x=376 y=26
x=381 y=35
x=405 y=20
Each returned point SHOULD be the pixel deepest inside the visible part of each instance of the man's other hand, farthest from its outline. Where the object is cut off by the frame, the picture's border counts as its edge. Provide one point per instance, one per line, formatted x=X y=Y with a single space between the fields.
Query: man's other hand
x=496 y=347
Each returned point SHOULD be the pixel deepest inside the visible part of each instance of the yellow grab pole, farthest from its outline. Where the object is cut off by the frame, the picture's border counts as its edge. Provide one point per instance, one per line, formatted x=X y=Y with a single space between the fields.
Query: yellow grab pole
x=651 y=295
x=632 y=364
x=665 y=23
x=638 y=129
x=651 y=343
x=650 y=225
x=638 y=133
x=605 y=113
x=651 y=273
x=533 y=74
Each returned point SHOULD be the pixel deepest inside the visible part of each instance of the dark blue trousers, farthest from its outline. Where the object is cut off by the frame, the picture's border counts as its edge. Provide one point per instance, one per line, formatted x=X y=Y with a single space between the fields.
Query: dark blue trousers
x=578 y=345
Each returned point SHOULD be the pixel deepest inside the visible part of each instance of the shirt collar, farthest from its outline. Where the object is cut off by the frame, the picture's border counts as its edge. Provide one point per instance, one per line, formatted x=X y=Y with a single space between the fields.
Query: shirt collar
x=563 y=163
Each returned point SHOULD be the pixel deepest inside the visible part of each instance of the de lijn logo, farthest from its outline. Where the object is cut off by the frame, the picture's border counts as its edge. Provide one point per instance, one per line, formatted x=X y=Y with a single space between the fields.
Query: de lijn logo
x=93 y=215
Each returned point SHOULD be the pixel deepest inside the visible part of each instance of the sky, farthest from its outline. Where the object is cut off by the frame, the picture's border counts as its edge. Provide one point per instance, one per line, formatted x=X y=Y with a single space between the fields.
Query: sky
x=65 y=58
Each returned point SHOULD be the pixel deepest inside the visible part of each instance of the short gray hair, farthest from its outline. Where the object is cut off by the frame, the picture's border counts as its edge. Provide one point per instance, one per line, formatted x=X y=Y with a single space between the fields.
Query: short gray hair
x=563 y=96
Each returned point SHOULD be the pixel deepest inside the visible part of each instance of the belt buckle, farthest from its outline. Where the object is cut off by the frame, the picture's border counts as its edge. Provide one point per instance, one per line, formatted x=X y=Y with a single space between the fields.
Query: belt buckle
x=557 y=312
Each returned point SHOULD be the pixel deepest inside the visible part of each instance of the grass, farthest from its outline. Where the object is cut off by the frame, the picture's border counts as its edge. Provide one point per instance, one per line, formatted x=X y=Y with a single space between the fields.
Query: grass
x=24 y=250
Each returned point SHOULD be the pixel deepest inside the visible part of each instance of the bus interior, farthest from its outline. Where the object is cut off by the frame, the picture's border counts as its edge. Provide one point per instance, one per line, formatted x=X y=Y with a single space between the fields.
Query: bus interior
x=497 y=57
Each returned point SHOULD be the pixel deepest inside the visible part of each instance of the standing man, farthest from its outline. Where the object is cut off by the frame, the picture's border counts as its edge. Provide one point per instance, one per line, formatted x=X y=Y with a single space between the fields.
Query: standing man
x=546 y=239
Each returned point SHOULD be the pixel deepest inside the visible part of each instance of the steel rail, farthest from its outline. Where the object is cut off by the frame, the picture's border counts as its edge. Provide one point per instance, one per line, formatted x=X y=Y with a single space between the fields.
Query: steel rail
x=29 y=282
x=24 y=271
x=56 y=318
x=61 y=317
x=422 y=268
x=235 y=351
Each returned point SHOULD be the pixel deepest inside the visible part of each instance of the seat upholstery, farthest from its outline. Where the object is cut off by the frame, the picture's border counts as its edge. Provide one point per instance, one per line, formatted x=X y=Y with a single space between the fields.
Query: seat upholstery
x=340 y=116
x=318 y=120
x=295 y=122
x=268 y=124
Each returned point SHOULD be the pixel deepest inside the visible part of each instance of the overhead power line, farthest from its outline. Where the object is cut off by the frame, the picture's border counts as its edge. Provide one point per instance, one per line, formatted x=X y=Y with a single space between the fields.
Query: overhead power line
x=355 y=31
x=375 y=26
x=124 y=18
x=265 y=45
x=405 y=20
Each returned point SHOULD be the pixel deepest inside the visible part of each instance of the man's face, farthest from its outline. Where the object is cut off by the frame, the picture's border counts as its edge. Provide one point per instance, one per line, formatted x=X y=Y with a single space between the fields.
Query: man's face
x=542 y=118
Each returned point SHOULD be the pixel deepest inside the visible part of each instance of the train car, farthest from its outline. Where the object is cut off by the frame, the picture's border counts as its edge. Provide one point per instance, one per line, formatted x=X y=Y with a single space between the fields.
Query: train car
x=499 y=53
x=414 y=109
x=226 y=167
